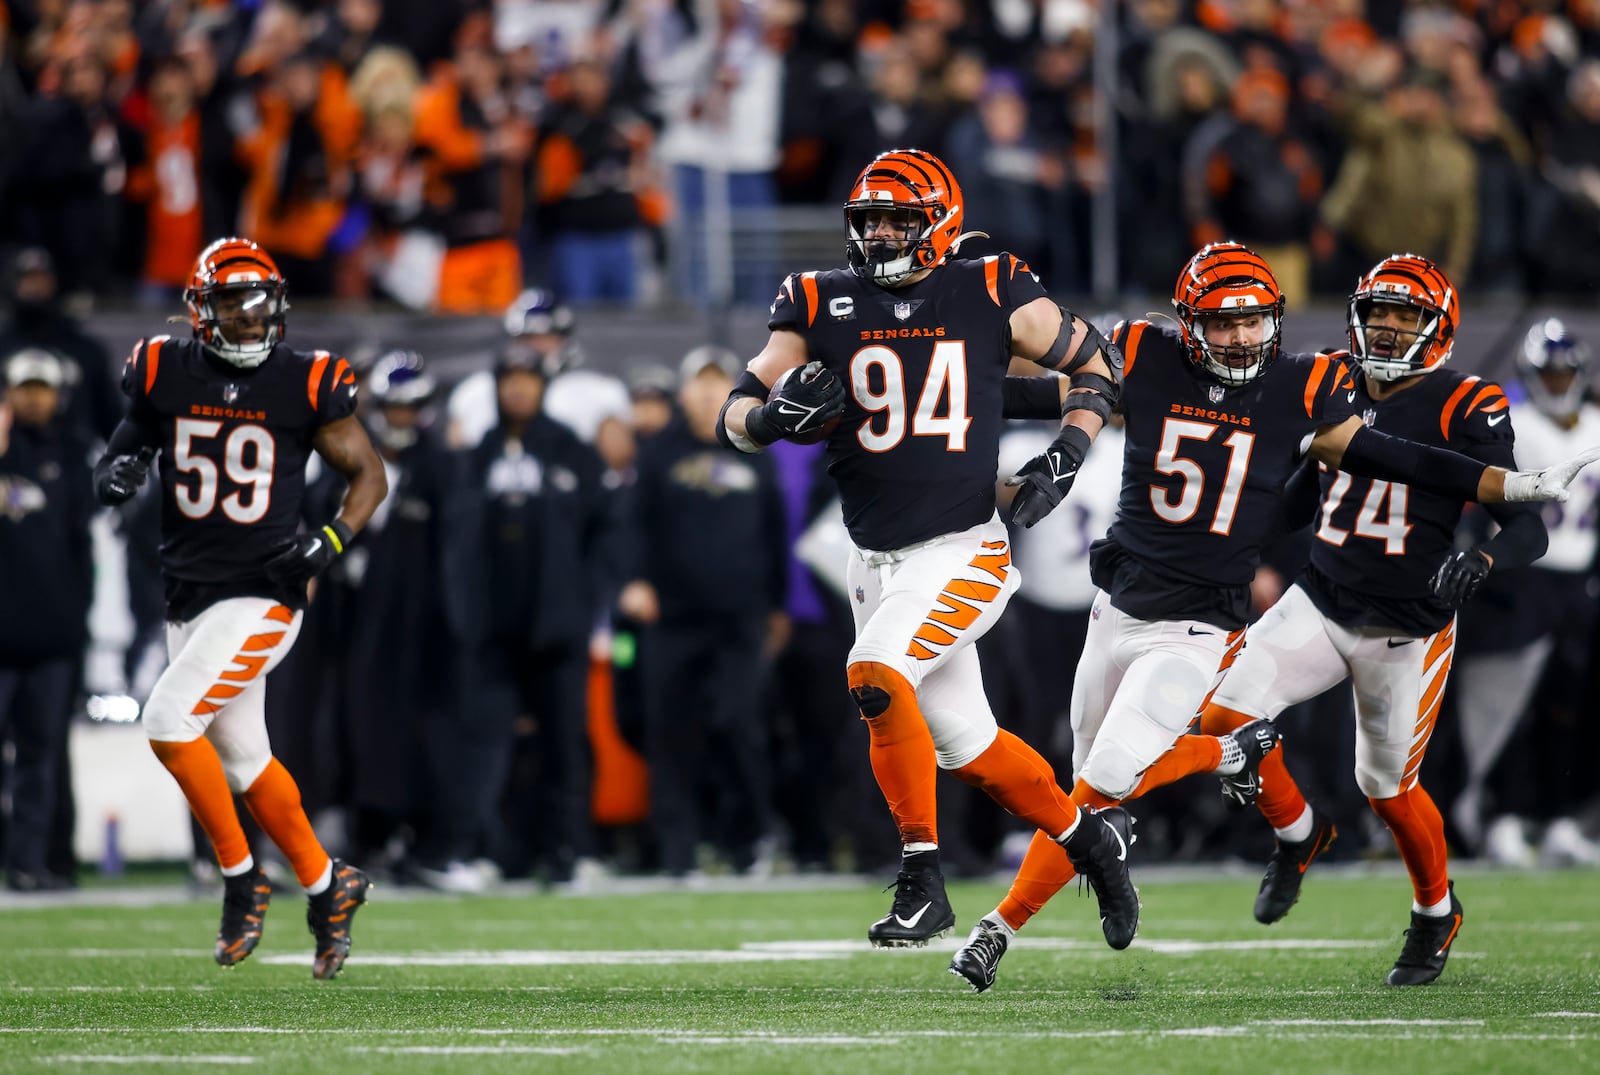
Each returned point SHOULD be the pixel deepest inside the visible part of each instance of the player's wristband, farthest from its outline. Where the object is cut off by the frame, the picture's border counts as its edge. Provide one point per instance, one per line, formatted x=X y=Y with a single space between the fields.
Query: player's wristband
x=339 y=536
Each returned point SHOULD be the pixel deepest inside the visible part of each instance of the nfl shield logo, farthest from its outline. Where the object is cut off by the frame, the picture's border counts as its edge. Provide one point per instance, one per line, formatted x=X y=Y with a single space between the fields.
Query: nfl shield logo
x=902 y=310
x=1216 y=392
x=861 y=597
x=1369 y=416
x=230 y=393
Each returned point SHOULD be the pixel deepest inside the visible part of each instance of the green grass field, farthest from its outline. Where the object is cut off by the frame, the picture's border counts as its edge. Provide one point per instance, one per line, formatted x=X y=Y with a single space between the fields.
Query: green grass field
x=778 y=979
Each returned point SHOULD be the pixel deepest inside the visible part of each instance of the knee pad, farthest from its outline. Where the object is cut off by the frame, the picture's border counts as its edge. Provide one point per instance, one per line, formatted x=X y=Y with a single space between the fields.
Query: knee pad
x=873 y=687
x=872 y=701
x=1112 y=769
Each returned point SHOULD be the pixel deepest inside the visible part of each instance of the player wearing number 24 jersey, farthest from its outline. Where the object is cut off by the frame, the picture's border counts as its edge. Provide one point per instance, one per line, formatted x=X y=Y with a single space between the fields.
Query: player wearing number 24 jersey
x=1217 y=422
x=233 y=415
x=909 y=349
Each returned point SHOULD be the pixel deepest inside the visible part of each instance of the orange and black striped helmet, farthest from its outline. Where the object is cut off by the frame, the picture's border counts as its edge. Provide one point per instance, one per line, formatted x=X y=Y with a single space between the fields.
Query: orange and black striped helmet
x=1388 y=353
x=923 y=190
x=1228 y=280
x=236 y=288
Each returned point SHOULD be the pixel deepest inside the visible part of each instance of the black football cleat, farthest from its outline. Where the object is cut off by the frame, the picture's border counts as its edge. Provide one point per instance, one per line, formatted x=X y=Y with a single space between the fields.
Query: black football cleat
x=1286 y=870
x=979 y=959
x=1098 y=848
x=329 y=912
x=1256 y=739
x=1427 y=945
x=921 y=910
x=244 y=907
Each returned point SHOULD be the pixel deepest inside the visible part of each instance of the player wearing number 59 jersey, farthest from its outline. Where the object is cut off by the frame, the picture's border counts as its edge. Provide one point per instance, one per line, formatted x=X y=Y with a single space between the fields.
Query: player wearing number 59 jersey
x=233 y=415
x=909 y=350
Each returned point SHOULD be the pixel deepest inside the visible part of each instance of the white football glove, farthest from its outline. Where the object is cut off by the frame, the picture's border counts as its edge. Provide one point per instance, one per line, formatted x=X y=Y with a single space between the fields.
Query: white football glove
x=1547 y=484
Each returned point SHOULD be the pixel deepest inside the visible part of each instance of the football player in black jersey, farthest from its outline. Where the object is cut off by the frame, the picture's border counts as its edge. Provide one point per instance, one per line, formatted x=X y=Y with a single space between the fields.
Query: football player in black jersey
x=1218 y=421
x=234 y=415
x=1377 y=601
x=910 y=348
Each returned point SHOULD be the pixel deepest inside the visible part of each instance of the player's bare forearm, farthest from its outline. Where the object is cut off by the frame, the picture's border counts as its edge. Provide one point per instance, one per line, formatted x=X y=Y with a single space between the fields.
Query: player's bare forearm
x=734 y=417
x=345 y=447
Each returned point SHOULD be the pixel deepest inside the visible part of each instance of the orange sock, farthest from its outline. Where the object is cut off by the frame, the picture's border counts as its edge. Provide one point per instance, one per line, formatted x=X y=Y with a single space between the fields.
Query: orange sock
x=1419 y=833
x=274 y=801
x=1014 y=775
x=1091 y=797
x=1279 y=800
x=1045 y=870
x=1190 y=754
x=198 y=771
x=901 y=749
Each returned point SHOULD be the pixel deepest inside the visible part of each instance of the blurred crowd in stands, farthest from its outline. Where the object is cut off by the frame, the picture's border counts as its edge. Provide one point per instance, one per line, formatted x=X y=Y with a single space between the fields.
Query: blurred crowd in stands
x=632 y=658
x=443 y=153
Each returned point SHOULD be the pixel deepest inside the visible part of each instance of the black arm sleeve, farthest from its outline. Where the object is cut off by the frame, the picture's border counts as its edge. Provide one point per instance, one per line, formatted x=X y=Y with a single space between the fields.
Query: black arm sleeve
x=1031 y=397
x=1371 y=454
x=1522 y=538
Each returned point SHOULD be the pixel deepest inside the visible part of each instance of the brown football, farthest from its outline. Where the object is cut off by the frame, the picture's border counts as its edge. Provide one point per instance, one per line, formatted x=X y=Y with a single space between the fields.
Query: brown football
x=806 y=372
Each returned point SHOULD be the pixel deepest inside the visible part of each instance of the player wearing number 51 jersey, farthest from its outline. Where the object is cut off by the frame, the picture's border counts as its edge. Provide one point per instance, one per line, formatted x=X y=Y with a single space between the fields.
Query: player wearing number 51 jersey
x=234 y=415
x=909 y=349
x=1217 y=422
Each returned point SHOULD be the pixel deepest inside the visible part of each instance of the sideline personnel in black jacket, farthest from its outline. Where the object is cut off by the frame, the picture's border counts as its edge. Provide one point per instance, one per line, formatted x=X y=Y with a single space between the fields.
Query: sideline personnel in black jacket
x=47 y=579
x=708 y=526
x=527 y=553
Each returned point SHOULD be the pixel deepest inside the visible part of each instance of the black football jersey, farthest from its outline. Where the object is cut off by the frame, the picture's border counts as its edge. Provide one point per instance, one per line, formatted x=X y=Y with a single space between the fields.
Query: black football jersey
x=916 y=452
x=1377 y=544
x=1203 y=474
x=234 y=446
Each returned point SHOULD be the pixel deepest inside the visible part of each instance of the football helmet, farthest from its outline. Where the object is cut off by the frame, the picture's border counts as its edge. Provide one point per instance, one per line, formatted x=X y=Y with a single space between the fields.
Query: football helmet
x=1227 y=279
x=924 y=193
x=544 y=323
x=236 y=292
x=1548 y=352
x=1388 y=353
x=398 y=379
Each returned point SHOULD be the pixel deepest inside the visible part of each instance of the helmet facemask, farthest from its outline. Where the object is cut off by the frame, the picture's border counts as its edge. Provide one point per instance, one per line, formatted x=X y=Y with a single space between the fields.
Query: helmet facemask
x=1235 y=364
x=239 y=322
x=1399 y=348
x=889 y=243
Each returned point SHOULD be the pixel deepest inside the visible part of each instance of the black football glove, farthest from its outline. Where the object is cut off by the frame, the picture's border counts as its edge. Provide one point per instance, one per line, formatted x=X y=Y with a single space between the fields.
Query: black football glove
x=116 y=479
x=1459 y=577
x=305 y=556
x=1044 y=480
x=808 y=400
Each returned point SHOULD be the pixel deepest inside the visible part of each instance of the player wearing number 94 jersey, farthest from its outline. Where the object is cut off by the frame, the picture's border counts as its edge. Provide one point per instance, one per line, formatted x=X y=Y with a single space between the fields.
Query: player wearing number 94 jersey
x=912 y=349
x=234 y=415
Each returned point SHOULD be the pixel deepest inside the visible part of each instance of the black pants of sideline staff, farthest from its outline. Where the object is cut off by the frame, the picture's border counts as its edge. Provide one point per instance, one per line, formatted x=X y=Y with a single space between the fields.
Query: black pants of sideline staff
x=709 y=770
x=35 y=710
x=519 y=739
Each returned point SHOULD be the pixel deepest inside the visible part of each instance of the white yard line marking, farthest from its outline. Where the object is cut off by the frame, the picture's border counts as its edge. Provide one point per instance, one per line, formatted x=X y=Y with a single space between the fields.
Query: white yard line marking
x=1567 y=1015
x=153 y=1059
x=470 y=1050
x=548 y=958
